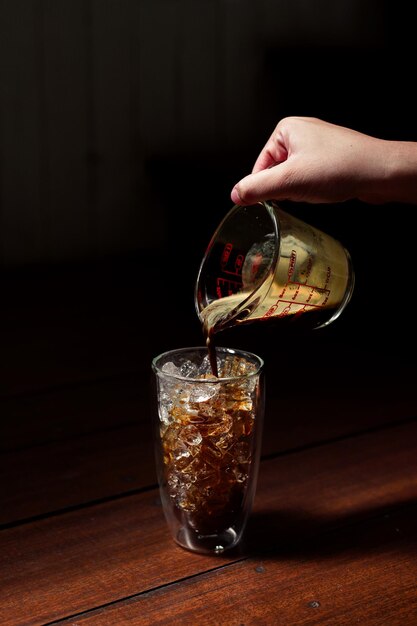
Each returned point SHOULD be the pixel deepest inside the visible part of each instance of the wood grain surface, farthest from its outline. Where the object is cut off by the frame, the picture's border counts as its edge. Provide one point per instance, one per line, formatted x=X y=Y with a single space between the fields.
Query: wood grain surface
x=83 y=539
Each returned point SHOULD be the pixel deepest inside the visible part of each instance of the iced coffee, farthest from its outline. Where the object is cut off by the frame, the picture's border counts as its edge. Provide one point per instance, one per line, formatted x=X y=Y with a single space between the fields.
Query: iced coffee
x=208 y=443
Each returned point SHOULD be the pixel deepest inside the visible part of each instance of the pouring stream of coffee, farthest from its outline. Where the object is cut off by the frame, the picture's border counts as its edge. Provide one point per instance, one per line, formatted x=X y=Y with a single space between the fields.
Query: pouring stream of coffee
x=215 y=317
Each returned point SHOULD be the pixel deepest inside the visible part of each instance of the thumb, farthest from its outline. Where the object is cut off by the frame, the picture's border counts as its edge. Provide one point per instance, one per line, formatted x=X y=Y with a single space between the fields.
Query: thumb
x=269 y=184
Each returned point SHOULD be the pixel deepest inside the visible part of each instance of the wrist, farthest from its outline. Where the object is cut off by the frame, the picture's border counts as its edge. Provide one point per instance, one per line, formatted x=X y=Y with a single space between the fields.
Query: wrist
x=398 y=182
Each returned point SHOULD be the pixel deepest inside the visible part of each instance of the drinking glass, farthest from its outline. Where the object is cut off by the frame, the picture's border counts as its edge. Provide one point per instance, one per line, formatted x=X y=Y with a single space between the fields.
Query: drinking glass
x=208 y=441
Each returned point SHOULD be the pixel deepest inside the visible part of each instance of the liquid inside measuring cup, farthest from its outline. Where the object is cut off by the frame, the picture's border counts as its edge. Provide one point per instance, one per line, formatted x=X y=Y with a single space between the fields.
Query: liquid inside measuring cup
x=264 y=264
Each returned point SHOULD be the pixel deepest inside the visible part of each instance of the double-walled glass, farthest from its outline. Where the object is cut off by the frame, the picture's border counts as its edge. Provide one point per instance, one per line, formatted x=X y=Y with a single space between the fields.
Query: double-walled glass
x=208 y=443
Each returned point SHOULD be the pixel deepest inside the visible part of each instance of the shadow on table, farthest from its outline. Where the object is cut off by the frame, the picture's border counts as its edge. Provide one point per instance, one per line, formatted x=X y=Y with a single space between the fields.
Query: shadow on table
x=299 y=534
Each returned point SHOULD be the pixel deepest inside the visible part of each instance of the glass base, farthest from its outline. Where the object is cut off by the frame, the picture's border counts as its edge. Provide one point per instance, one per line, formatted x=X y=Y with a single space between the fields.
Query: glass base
x=207 y=544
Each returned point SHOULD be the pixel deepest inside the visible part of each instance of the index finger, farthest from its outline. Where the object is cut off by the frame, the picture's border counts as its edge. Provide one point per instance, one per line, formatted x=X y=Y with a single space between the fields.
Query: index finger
x=272 y=153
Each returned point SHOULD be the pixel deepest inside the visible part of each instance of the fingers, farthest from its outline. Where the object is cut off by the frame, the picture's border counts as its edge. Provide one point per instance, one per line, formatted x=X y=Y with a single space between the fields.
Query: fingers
x=267 y=158
x=274 y=151
x=266 y=184
x=262 y=183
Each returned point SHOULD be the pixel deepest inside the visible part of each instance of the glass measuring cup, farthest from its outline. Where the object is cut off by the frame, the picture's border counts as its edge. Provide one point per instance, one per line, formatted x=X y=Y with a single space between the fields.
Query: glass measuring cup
x=264 y=263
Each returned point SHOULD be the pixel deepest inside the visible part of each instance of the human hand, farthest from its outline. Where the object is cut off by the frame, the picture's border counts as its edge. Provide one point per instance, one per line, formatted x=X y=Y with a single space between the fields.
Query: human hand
x=309 y=160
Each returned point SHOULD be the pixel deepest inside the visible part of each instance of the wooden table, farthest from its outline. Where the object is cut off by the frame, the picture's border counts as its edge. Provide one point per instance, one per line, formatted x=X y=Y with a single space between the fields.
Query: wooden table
x=332 y=538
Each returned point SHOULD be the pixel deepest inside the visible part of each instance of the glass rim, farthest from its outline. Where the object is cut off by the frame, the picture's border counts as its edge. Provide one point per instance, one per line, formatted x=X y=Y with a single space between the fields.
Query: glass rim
x=251 y=356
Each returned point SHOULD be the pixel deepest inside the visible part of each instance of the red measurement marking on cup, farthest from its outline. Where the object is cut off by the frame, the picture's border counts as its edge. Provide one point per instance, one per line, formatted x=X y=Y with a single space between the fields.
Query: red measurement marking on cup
x=291 y=264
x=302 y=307
x=239 y=263
x=230 y=265
x=226 y=254
x=291 y=269
x=309 y=267
x=305 y=306
x=226 y=287
x=297 y=286
x=328 y=276
x=287 y=310
x=314 y=288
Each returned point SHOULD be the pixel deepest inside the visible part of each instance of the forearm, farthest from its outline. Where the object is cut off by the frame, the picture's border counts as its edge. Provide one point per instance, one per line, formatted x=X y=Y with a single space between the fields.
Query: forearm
x=399 y=182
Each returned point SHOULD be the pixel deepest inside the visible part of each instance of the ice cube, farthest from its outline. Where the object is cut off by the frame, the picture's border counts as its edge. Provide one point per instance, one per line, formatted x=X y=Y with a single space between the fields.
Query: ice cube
x=204 y=368
x=203 y=392
x=241 y=452
x=188 y=369
x=190 y=435
x=165 y=413
x=184 y=500
x=170 y=368
x=234 y=366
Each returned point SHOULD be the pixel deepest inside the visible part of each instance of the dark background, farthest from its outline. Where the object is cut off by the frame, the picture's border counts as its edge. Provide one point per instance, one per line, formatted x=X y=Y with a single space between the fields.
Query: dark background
x=123 y=127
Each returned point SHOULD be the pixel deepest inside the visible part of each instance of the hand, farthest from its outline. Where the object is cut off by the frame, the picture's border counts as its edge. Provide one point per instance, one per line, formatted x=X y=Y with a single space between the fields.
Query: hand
x=309 y=160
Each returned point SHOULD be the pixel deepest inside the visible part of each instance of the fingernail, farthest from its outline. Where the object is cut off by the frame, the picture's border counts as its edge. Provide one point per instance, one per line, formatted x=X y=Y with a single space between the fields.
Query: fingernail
x=235 y=196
